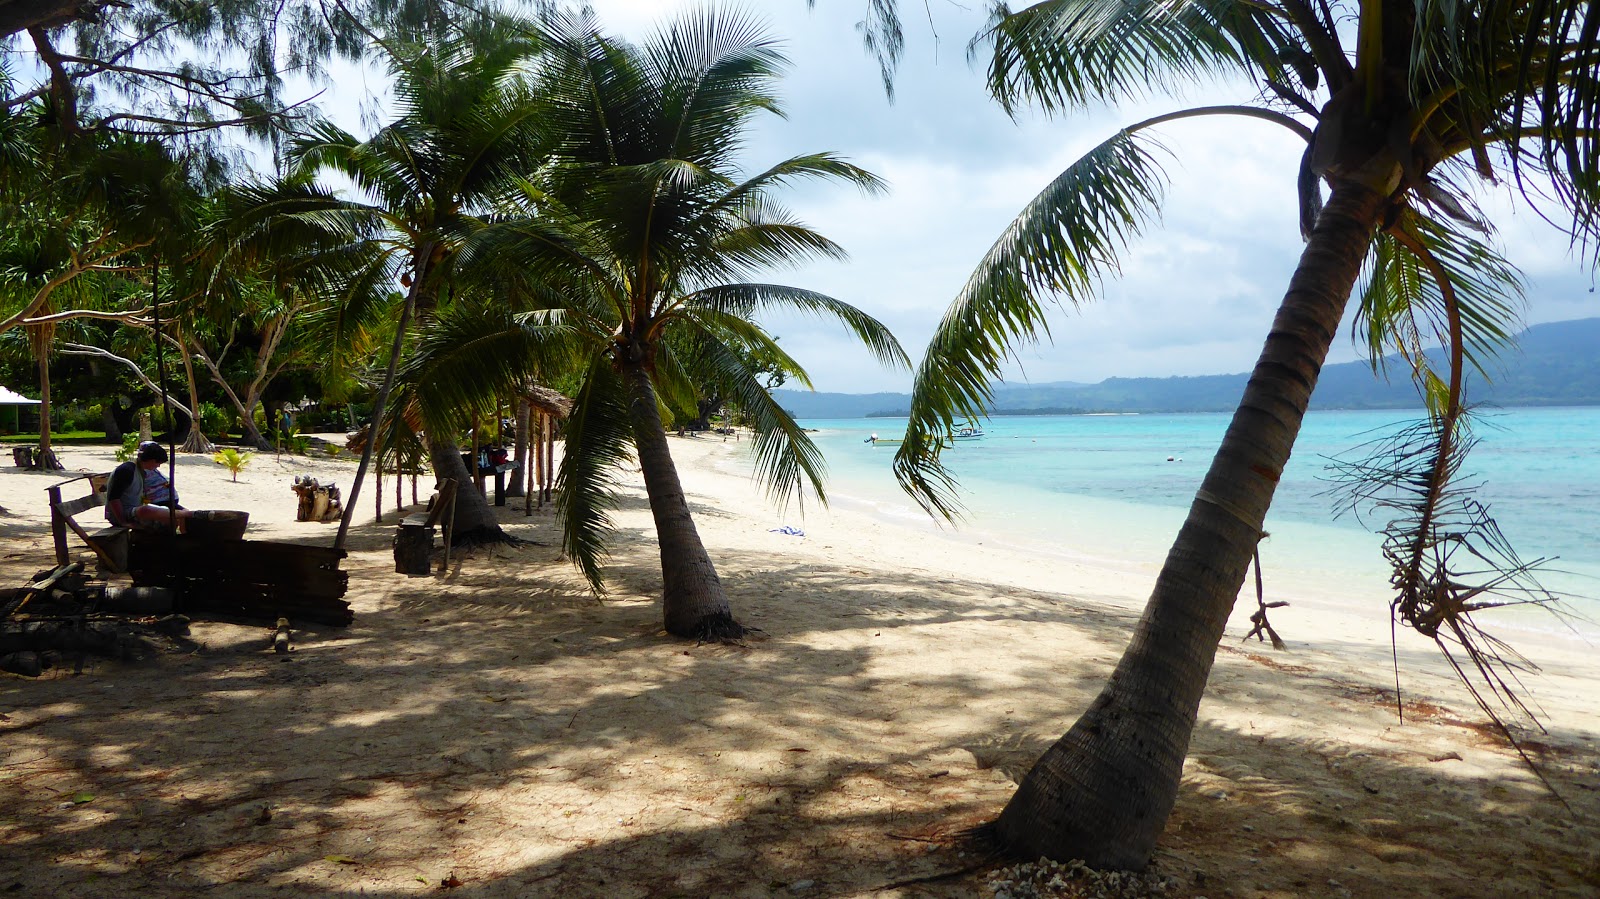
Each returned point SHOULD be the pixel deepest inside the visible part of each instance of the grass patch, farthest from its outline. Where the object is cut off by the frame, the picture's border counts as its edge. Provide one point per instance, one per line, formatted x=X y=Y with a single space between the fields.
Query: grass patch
x=69 y=438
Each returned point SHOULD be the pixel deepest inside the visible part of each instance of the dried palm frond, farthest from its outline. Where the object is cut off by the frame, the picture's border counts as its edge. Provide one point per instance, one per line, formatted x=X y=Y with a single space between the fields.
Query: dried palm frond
x=1449 y=559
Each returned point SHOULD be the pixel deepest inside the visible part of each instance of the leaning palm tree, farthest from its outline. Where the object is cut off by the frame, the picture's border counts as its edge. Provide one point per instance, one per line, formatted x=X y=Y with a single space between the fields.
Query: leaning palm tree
x=1404 y=108
x=638 y=227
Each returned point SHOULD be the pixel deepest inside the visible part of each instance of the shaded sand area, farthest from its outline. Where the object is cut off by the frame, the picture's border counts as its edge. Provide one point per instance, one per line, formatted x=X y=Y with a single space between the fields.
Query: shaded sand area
x=498 y=731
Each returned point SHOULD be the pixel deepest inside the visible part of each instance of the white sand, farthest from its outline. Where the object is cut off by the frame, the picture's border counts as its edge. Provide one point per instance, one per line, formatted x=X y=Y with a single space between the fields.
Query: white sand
x=501 y=725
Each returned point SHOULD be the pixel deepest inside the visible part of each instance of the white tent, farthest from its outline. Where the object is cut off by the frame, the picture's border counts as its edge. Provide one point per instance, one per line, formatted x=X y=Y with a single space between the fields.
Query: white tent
x=11 y=421
x=10 y=398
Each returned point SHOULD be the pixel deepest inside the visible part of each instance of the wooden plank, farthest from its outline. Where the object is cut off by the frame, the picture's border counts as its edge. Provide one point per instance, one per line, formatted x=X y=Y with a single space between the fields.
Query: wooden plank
x=74 y=506
x=58 y=523
x=105 y=558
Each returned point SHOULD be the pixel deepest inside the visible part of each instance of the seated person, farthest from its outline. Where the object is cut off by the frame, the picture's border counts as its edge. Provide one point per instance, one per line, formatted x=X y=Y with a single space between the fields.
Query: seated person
x=158 y=490
x=128 y=500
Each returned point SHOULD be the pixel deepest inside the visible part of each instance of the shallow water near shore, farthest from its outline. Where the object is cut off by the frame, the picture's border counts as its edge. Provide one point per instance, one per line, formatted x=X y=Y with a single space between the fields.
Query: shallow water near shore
x=1113 y=490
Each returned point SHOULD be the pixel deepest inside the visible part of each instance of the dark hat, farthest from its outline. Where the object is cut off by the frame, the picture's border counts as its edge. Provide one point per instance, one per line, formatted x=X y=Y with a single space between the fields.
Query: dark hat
x=152 y=451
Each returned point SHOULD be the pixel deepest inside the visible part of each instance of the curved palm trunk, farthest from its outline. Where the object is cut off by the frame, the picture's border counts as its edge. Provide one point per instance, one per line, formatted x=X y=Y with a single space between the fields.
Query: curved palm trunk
x=1104 y=791
x=475 y=521
x=692 y=599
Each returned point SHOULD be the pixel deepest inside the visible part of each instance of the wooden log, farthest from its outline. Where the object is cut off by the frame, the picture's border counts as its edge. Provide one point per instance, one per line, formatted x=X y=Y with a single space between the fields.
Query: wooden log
x=138 y=600
x=26 y=664
x=280 y=638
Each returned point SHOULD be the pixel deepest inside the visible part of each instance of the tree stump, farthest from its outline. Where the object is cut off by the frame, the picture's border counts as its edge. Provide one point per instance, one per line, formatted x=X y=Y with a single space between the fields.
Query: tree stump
x=413 y=546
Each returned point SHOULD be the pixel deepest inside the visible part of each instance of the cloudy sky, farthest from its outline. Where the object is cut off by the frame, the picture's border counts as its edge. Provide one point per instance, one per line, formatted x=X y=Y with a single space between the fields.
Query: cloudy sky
x=1197 y=291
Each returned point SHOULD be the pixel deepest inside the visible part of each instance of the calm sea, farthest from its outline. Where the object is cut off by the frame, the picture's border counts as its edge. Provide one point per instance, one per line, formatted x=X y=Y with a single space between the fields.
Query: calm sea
x=1113 y=489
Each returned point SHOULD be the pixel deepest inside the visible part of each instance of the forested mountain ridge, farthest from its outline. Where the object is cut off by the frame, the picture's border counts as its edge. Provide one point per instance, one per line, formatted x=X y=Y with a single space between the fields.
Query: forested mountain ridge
x=1553 y=364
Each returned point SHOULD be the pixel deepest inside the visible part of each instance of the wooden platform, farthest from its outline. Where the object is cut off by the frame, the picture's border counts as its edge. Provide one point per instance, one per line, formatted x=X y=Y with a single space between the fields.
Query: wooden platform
x=244 y=578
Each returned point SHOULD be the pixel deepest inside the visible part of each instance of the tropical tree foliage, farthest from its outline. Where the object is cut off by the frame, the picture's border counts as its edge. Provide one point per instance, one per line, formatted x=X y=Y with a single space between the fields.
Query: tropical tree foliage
x=463 y=130
x=195 y=70
x=639 y=236
x=1406 y=109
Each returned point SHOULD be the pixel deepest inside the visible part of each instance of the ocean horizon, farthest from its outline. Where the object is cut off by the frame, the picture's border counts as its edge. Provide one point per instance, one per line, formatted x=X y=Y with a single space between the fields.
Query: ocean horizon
x=1112 y=490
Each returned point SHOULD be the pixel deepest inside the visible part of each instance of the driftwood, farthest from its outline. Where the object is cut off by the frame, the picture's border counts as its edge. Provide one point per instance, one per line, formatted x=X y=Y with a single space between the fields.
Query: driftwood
x=317 y=501
x=280 y=637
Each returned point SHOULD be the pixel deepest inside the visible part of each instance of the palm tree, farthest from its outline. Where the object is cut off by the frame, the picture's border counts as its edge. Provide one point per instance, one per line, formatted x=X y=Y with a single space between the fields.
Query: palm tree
x=463 y=130
x=637 y=228
x=1430 y=98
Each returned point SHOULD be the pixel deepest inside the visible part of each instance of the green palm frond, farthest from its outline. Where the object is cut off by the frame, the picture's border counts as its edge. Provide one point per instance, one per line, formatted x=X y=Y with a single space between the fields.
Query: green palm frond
x=765 y=241
x=745 y=300
x=1063 y=53
x=1064 y=241
x=751 y=340
x=786 y=459
x=676 y=386
x=712 y=71
x=1520 y=75
x=809 y=165
x=466 y=359
x=340 y=329
x=599 y=440
x=1402 y=306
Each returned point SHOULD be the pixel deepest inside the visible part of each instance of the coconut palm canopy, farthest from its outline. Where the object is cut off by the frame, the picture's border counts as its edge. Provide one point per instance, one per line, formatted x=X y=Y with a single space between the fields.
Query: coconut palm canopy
x=636 y=227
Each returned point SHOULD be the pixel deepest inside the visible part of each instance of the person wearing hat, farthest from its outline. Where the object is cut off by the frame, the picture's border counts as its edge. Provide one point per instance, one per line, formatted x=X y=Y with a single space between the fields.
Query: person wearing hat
x=128 y=500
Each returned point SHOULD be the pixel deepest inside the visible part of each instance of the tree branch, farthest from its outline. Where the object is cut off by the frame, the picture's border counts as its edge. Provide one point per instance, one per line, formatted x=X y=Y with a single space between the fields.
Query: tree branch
x=130 y=317
x=79 y=349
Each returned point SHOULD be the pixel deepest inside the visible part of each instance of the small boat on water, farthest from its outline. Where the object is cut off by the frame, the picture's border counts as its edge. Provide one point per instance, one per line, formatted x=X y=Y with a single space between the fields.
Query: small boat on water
x=968 y=431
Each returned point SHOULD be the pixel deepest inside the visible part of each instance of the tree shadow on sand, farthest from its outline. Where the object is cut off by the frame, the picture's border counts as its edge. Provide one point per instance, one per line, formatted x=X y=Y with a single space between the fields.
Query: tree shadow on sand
x=516 y=736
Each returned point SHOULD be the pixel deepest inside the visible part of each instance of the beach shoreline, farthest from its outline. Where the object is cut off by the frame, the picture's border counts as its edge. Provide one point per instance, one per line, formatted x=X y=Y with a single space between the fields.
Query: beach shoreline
x=502 y=727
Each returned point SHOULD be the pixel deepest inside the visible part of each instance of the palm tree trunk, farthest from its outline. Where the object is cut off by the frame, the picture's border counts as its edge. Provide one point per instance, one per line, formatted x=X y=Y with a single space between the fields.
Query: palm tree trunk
x=693 y=602
x=1104 y=791
x=519 y=453
x=475 y=521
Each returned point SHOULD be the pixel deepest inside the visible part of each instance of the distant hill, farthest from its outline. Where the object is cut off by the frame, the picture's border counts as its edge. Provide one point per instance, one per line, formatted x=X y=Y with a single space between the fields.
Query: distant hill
x=1555 y=364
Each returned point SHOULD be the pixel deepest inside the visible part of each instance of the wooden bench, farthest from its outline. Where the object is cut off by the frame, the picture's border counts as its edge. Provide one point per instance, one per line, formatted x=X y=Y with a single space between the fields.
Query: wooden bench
x=413 y=539
x=110 y=543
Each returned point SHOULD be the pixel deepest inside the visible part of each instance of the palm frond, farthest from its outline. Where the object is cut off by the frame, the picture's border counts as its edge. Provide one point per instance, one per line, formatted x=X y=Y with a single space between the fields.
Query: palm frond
x=1063 y=53
x=745 y=300
x=786 y=459
x=469 y=358
x=599 y=440
x=1449 y=560
x=1062 y=243
x=1403 y=308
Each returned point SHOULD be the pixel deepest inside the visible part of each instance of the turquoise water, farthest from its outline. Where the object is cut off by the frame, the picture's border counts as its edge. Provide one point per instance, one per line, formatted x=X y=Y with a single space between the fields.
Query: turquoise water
x=1114 y=488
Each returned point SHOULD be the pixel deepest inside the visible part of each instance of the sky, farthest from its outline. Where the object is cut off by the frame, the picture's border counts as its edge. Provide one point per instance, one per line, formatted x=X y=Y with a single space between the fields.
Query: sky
x=1197 y=290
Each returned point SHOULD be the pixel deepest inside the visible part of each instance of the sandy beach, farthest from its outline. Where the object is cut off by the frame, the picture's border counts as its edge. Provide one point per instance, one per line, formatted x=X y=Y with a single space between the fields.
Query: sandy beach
x=500 y=731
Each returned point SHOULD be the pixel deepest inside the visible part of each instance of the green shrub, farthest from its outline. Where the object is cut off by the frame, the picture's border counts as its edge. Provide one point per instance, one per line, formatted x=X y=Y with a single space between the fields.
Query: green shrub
x=130 y=445
x=215 y=420
x=299 y=444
